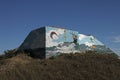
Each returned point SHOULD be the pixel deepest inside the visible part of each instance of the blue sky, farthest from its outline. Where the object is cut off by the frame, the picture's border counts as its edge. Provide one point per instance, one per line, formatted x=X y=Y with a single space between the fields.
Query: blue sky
x=100 y=18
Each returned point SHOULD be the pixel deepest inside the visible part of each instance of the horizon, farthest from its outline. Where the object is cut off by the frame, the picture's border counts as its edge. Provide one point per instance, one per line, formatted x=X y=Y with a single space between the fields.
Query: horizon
x=98 y=18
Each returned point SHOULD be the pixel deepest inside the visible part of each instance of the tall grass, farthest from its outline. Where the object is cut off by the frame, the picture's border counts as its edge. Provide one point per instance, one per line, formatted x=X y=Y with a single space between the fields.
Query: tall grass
x=86 y=66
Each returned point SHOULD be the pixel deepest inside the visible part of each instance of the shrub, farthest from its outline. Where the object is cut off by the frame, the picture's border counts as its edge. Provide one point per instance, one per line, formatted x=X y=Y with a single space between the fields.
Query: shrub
x=10 y=53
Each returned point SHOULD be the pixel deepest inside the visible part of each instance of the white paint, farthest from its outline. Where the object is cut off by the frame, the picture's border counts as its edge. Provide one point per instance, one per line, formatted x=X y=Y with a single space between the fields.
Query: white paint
x=60 y=31
x=81 y=36
x=49 y=40
x=55 y=36
x=71 y=46
x=89 y=44
x=92 y=37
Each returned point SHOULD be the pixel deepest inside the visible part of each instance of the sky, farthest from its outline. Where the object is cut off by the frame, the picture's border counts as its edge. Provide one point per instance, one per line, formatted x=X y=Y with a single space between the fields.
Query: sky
x=100 y=18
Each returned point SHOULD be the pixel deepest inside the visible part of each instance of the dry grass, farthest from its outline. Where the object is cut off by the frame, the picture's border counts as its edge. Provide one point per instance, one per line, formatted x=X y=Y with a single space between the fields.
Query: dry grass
x=87 y=66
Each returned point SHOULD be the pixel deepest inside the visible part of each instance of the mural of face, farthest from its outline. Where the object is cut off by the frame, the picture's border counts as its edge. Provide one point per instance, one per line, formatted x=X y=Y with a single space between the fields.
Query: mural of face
x=53 y=35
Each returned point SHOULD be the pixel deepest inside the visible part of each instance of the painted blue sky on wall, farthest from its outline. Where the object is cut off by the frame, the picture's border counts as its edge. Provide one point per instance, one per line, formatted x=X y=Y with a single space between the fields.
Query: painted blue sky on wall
x=59 y=40
x=99 y=18
x=54 y=36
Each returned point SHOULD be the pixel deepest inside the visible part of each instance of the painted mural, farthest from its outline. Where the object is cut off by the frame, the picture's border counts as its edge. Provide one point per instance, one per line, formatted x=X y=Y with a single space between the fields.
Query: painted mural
x=51 y=41
x=67 y=41
x=60 y=40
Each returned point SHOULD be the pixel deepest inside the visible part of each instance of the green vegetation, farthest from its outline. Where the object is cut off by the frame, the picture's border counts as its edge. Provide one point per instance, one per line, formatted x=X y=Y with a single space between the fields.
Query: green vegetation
x=84 y=66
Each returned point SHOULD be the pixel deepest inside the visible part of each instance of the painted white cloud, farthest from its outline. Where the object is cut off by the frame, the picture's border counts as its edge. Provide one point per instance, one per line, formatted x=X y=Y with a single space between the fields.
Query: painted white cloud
x=60 y=31
x=117 y=39
x=49 y=40
x=92 y=37
x=81 y=36
x=89 y=44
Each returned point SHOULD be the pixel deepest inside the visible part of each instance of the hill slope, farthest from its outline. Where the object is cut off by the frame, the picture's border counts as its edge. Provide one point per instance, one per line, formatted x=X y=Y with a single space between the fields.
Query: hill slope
x=86 y=66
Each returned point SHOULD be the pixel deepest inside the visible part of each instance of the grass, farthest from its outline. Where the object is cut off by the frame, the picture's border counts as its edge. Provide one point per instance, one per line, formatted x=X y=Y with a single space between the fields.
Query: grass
x=86 y=66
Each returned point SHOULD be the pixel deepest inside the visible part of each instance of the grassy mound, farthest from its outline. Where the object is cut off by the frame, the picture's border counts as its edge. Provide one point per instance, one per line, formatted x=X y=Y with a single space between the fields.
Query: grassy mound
x=86 y=66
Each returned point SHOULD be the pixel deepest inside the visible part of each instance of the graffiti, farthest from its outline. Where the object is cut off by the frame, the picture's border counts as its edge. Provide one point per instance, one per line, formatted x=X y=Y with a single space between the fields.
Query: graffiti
x=67 y=41
x=56 y=40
